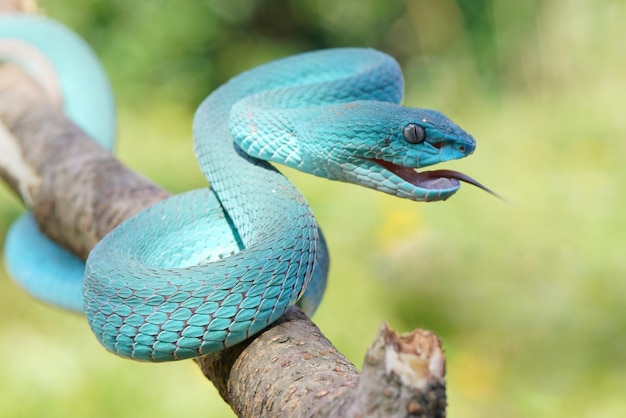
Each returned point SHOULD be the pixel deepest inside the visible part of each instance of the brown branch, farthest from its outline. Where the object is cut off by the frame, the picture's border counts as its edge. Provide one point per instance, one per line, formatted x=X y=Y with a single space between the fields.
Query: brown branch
x=78 y=192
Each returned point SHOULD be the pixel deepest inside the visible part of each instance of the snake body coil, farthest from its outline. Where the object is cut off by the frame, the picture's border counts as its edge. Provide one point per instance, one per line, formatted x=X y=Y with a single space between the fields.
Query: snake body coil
x=207 y=269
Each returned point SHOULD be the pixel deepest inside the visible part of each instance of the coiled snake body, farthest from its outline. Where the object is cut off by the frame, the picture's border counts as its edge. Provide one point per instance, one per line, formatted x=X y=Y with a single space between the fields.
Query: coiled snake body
x=206 y=269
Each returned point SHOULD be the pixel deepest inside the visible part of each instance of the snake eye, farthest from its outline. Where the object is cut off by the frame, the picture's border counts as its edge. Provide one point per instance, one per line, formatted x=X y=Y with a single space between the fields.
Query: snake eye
x=414 y=134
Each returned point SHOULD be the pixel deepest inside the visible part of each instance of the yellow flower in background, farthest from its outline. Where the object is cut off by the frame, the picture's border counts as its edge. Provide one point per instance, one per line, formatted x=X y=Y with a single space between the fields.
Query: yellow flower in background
x=399 y=227
x=473 y=376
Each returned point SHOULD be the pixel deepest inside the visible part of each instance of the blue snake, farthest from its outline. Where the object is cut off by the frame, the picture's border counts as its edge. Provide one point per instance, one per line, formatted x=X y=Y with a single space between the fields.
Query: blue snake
x=207 y=269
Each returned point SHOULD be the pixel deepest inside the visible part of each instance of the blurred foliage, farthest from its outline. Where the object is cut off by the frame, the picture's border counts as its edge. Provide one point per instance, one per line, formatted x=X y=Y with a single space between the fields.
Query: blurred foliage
x=527 y=296
x=181 y=54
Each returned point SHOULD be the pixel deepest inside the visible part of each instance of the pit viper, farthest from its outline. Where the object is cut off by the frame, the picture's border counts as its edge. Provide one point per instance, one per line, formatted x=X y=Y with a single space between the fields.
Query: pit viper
x=207 y=269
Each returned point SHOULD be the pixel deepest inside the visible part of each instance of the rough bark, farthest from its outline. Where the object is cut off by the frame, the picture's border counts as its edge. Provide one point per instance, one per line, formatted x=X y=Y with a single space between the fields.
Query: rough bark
x=42 y=153
x=78 y=192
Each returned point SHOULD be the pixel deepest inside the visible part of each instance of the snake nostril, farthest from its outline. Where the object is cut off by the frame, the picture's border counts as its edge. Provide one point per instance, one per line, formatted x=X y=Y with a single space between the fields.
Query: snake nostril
x=462 y=148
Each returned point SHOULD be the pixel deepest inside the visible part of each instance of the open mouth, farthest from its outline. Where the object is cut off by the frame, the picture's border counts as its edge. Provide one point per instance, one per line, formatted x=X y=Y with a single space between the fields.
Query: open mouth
x=433 y=180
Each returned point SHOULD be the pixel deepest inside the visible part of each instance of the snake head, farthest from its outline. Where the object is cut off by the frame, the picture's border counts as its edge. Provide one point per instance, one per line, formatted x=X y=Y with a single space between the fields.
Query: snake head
x=388 y=147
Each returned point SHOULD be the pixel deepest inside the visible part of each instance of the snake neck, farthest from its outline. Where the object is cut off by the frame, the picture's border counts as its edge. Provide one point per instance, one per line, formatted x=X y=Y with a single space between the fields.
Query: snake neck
x=236 y=176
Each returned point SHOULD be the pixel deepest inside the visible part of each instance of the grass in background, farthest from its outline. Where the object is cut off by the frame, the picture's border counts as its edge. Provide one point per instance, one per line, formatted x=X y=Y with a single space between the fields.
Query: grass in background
x=527 y=296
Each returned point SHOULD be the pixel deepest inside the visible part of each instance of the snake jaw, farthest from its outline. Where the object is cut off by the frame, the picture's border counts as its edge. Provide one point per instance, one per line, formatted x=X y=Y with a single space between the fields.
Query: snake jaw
x=446 y=182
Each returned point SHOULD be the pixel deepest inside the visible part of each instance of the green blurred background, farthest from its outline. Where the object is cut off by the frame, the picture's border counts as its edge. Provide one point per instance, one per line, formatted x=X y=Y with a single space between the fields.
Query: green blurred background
x=528 y=296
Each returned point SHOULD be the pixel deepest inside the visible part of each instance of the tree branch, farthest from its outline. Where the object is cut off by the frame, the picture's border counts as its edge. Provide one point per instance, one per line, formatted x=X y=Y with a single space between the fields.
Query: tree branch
x=78 y=192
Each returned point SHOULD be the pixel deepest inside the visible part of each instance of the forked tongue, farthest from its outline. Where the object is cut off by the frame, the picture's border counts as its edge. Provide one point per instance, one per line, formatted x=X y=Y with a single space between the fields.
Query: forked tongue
x=451 y=174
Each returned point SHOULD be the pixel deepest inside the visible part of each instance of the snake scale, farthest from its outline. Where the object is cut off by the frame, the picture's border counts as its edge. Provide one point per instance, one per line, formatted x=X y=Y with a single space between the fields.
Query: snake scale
x=206 y=269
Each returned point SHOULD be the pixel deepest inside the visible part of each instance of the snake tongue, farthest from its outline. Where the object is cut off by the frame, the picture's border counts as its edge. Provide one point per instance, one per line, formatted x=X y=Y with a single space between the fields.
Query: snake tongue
x=435 y=179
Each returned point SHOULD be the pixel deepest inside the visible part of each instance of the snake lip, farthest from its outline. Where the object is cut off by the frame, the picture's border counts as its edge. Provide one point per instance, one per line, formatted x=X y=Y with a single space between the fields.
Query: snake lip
x=432 y=180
